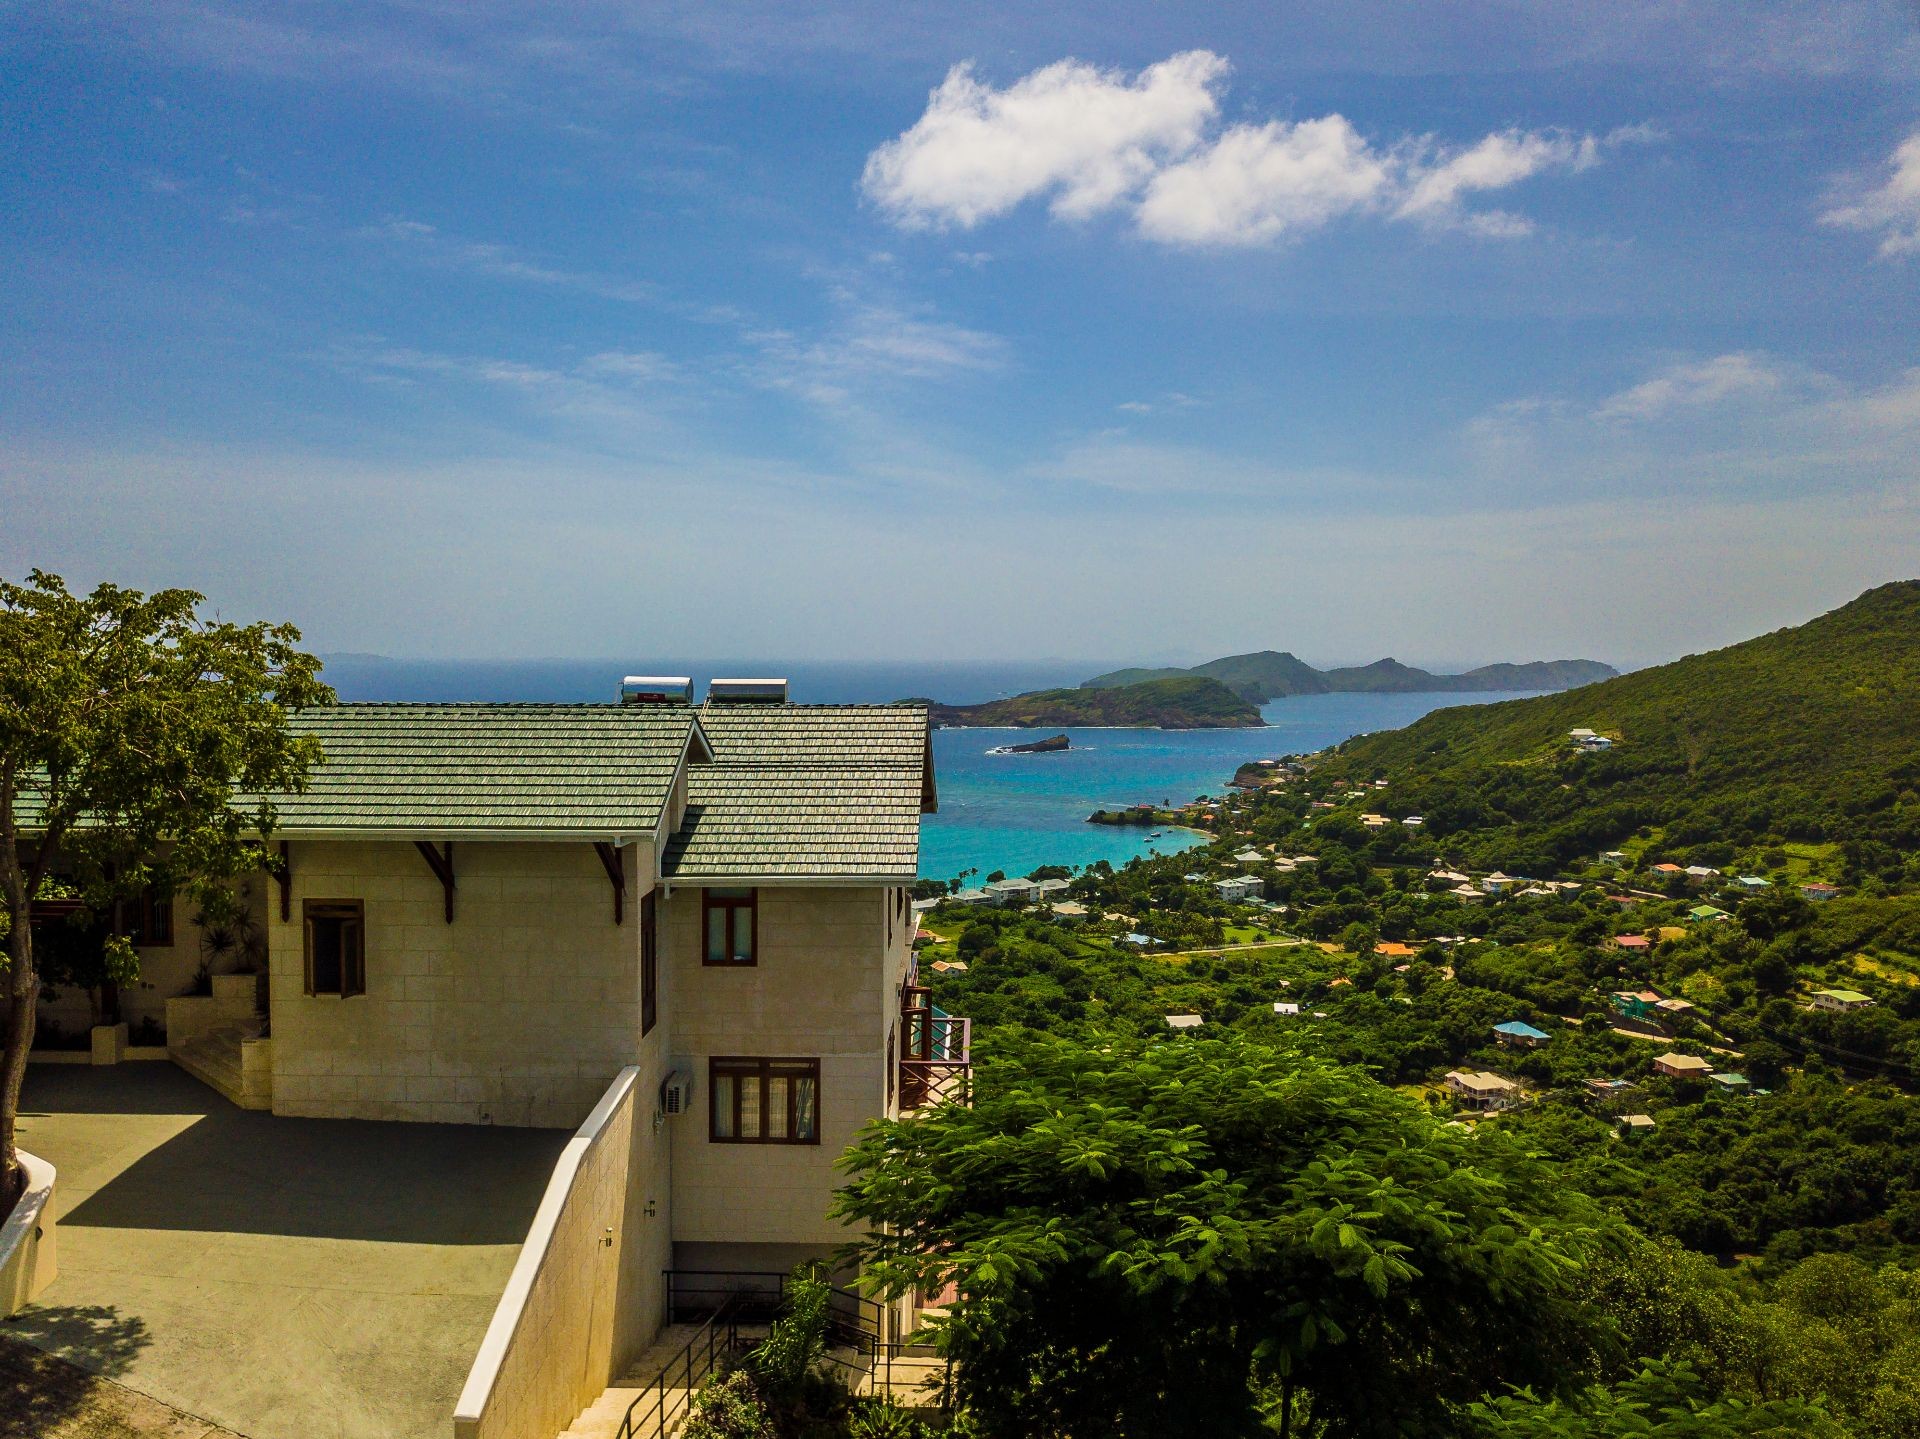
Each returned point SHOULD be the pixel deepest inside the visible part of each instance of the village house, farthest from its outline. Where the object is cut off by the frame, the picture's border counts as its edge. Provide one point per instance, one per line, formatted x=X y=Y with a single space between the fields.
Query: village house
x=1682 y=1066
x=1629 y=1126
x=1632 y=942
x=1482 y=1091
x=1634 y=1003
x=1839 y=999
x=1012 y=890
x=1819 y=890
x=1467 y=894
x=685 y=928
x=1515 y=1034
x=1752 y=883
x=1184 y=1021
x=1239 y=888
x=1498 y=883
x=1069 y=911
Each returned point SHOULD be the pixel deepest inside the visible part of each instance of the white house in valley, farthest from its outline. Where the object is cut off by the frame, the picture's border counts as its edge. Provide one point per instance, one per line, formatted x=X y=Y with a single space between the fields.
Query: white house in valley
x=684 y=930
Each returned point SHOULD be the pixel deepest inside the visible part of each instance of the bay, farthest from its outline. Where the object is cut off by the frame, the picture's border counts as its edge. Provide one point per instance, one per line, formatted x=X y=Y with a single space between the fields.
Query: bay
x=997 y=812
x=1018 y=812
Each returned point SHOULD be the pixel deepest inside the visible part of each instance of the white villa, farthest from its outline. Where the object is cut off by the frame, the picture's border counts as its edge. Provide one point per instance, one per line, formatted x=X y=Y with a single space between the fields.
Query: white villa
x=1237 y=889
x=684 y=931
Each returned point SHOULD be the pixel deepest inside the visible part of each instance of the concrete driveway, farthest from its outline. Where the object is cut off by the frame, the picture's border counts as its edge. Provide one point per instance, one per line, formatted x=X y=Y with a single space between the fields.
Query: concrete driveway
x=284 y=1278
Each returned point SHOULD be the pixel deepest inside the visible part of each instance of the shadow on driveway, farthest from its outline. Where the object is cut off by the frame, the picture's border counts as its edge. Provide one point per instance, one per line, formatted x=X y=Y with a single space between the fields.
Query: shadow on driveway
x=285 y=1278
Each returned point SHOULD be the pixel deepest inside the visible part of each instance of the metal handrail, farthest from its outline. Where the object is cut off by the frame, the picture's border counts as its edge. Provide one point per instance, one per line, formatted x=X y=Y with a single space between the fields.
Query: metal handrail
x=854 y=1322
x=658 y=1416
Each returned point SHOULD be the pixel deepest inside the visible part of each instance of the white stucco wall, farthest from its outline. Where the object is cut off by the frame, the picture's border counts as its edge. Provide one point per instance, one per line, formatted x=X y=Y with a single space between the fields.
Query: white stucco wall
x=519 y=1012
x=825 y=987
x=585 y=1295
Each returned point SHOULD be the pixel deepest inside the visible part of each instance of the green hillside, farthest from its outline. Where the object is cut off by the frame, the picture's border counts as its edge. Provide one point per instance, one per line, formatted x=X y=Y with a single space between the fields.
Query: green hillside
x=1183 y=702
x=1274 y=674
x=1807 y=735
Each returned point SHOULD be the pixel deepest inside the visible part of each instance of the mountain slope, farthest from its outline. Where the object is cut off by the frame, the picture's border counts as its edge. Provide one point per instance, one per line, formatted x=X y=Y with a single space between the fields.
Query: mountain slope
x=1273 y=674
x=1810 y=733
x=1182 y=702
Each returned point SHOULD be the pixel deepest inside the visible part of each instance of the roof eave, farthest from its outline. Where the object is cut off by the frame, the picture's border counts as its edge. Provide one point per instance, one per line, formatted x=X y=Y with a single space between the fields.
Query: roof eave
x=774 y=881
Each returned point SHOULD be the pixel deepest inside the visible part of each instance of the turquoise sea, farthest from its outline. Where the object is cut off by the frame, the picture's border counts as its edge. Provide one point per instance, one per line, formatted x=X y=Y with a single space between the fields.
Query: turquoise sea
x=1007 y=812
x=1018 y=812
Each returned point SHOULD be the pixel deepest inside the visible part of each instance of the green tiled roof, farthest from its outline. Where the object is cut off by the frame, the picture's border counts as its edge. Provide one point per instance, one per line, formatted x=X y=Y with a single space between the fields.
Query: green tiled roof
x=595 y=771
x=806 y=792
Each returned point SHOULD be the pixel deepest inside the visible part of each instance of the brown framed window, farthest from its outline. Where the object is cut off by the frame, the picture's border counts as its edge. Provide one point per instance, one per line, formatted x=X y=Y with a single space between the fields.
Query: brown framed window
x=336 y=938
x=730 y=923
x=763 y=1101
x=649 y=962
x=150 y=920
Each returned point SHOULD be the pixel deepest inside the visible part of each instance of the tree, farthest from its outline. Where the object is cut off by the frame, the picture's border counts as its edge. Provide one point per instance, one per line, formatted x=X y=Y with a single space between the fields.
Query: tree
x=138 y=745
x=1188 y=1239
x=1663 y=1401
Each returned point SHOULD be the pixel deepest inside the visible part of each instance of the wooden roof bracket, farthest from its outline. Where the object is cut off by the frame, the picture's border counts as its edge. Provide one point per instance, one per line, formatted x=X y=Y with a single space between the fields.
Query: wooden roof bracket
x=617 y=875
x=440 y=861
x=283 y=876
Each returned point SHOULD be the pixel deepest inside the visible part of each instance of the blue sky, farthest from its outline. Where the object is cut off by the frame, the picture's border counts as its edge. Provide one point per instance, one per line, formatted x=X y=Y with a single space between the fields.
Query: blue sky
x=1461 y=333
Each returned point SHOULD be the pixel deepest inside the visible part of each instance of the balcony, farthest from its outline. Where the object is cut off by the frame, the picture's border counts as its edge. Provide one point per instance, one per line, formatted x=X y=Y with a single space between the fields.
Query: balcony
x=936 y=1051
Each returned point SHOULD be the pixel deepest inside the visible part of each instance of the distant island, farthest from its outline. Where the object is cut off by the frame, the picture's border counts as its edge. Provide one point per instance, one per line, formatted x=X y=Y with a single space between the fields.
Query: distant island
x=1053 y=744
x=1174 y=702
x=1275 y=674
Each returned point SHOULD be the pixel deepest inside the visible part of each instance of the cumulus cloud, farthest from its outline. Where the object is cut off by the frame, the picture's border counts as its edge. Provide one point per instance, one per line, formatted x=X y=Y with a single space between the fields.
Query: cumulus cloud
x=1257 y=183
x=1892 y=208
x=1086 y=136
x=1150 y=144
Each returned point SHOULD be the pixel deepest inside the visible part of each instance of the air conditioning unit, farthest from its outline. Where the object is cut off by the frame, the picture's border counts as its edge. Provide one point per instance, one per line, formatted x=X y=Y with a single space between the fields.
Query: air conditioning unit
x=676 y=1092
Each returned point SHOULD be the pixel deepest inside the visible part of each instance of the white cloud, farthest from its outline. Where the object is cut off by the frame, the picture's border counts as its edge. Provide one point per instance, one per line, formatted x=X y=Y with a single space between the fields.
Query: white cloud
x=1891 y=208
x=1258 y=183
x=1694 y=386
x=1745 y=423
x=1434 y=191
x=873 y=343
x=1098 y=140
x=1087 y=136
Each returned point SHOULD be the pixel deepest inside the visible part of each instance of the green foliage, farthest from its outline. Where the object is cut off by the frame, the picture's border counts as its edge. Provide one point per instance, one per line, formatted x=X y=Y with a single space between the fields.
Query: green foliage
x=1662 y=1401
x=729 y=1408
x=1807 y=734
x=136 y=742
x=1148 y=1238
x=881 y=1418
x=796 y=1340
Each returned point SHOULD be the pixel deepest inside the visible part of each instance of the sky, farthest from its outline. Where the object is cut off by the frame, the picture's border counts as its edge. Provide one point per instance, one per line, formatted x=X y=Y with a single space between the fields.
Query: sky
x=1461 y=333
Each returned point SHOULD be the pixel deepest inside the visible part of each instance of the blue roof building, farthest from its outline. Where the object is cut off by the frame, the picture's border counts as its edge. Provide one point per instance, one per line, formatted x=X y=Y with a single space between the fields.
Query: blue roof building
x=1517 y=1035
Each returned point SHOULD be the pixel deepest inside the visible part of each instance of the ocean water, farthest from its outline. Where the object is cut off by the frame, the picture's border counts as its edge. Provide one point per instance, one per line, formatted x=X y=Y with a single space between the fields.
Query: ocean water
x=1006 y=812
x=1018 y=812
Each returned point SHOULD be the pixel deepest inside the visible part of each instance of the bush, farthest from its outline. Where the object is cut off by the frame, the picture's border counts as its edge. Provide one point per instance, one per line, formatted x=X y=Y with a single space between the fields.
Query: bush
x=729 y=1408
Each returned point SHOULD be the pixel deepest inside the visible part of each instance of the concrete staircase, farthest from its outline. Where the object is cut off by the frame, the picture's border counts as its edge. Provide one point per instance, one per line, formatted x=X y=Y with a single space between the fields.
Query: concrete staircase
x=601 y=1419
x=219 y=1040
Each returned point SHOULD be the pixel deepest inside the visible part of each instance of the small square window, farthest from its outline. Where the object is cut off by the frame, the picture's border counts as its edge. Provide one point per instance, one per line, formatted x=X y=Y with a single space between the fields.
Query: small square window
x=730 y=926
x=336 y=947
